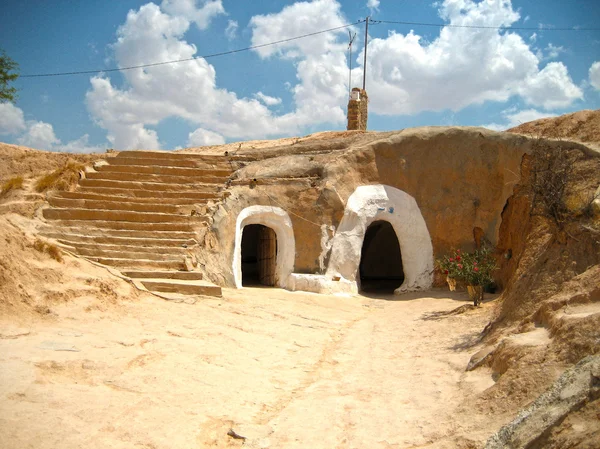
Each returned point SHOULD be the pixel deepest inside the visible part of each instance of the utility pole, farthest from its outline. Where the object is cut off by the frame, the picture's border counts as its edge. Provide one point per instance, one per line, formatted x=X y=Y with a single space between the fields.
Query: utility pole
x=351 y=37
x=365 y=63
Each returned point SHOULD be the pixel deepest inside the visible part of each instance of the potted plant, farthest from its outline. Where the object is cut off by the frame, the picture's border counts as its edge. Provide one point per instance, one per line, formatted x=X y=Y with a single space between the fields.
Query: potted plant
x=474 y=269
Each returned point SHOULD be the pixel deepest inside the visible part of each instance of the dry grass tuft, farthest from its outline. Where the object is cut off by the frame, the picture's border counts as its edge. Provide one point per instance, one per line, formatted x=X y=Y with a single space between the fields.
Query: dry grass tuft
x=580 y=204
x=12 y=184
x=63 y=178
x=48 y=248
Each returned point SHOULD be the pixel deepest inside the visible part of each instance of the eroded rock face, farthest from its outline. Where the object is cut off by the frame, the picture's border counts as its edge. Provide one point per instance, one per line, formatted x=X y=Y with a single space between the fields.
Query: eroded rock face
x=577 y=387
x=460 y=179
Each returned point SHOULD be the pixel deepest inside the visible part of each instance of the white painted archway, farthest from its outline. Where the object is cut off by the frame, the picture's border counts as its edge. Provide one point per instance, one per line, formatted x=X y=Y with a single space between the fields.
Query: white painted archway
x=278 y=220
x=380 y=202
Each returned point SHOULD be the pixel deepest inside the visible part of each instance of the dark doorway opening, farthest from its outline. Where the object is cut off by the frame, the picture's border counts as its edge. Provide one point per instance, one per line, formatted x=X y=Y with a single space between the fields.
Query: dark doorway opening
x=381 y=260
x=259 y=255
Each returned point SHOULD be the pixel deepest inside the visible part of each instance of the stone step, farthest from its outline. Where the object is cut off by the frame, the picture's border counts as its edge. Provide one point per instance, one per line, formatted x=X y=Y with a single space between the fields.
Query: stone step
x=110 y=251
x=119 y=215
x=184 y=287
x=166 y=155
x=169 y=155
x=90 y=247
x=78 y=239
x=93 y=232
x=186 y=197
x=113 y=204
x=131 y=264
x=162 y=170
x=162 y=179
x=183 y=275
x=152 y=186
x=80 y=194
x=127 y=226
x=155 y=161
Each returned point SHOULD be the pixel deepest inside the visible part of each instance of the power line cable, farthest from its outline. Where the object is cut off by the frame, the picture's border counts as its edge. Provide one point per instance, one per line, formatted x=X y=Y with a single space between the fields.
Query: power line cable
x=213 y=55
x=447 y=25
x=254 y=47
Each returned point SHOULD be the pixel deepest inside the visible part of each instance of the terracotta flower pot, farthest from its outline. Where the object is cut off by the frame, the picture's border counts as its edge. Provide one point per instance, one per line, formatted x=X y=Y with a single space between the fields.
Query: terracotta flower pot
x=475 y=293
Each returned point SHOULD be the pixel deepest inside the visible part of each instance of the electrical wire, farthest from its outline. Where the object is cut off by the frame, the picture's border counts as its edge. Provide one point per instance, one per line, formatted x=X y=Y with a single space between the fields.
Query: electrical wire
x=254 y=47
x=213 y=55
x=447 y=25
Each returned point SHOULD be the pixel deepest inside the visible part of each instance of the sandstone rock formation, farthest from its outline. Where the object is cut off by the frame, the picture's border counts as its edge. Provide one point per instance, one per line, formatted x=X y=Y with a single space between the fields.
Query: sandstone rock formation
x=576 y=388
x=582 y=126
x=457 y=179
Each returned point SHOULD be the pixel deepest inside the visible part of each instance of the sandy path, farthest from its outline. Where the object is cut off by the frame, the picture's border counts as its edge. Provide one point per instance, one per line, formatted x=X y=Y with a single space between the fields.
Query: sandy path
x=283 y=369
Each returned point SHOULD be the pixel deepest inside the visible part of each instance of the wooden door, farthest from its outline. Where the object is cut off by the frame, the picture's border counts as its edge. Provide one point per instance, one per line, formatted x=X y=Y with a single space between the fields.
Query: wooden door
x=267 y=256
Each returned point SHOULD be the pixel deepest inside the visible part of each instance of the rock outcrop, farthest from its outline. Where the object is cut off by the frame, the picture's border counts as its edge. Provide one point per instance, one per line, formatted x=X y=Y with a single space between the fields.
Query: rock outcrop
x=576 y=388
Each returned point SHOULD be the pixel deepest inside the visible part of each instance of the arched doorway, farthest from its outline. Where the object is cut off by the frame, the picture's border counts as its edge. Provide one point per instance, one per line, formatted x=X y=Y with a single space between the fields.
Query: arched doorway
x=372 y=203
x=380 y=267
x=273 y=218
x=259 y=255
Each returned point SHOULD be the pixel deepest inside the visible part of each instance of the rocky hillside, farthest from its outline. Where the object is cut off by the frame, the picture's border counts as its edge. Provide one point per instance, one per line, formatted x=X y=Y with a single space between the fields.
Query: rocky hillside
x=582 y=126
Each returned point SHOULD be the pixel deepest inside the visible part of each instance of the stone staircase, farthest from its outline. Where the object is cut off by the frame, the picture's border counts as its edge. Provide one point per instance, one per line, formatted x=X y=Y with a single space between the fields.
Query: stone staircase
x=140 y=212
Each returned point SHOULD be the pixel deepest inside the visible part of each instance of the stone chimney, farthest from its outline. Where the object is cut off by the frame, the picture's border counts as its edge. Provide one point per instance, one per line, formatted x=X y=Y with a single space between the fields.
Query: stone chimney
x=358 y=110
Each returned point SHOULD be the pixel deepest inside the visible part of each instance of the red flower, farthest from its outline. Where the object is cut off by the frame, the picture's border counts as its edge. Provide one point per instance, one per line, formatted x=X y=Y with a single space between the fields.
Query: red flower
x=460 y=266
x=452 y=259
x=474 y=263
x=445 y=271
x=475 y=269
x=458 y=251
x=458 y=258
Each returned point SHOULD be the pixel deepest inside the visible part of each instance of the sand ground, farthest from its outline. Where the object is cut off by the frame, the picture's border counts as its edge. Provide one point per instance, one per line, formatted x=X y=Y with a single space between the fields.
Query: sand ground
x=283 y=369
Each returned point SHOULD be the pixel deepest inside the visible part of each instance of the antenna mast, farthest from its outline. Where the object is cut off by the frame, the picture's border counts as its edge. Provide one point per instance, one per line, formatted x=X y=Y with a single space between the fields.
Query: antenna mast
x=365 y=62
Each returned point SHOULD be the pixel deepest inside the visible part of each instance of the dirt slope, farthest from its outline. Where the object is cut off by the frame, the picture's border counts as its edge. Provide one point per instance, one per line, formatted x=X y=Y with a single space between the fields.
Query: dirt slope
x=17 y=160
x=581 y=126
x=32 y=282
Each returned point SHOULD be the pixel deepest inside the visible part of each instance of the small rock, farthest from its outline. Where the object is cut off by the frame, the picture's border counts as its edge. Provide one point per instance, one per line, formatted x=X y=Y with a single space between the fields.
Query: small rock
x=480 y=357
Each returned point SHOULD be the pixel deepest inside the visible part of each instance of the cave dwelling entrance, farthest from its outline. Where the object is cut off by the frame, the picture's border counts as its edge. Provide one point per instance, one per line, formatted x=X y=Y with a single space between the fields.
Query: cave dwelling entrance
x=259 y=255
x=380 y=268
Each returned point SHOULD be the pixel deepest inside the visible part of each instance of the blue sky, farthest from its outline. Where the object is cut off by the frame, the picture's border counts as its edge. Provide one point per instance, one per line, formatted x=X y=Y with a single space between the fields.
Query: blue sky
x=416 y=75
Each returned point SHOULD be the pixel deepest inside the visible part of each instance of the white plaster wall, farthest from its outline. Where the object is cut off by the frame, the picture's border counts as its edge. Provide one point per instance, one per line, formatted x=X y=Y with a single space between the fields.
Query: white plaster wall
x=372 y=203
x=278 y=220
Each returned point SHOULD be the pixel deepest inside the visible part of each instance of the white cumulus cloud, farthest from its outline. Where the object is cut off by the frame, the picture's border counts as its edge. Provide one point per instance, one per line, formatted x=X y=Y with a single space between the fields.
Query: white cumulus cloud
x=11 y=119
x=80 y=145
x=463 y=66
x=231 y=30
x=39 y=135
x=266 y=99
x=321 y=66
x=514 y=118
x=203 y=137
x=189 y=90
x=189 y=9
x=595 y=75
x=554 y=51
x=373 y=5
x=551 y=87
